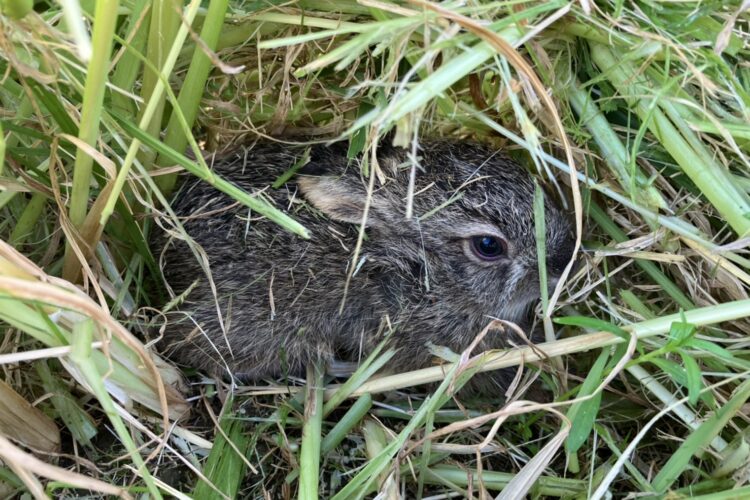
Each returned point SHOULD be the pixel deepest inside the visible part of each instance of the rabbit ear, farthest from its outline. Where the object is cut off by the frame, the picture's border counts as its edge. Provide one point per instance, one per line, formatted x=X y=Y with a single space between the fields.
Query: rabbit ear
x=334 y=197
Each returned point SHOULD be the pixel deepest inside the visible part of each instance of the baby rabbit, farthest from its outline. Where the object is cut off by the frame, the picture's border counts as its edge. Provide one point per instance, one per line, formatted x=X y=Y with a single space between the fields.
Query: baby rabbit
x=466 y=256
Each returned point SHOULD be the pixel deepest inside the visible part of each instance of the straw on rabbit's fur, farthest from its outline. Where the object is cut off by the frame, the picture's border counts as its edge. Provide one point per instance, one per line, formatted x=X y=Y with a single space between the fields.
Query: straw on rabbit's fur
x=420 y=281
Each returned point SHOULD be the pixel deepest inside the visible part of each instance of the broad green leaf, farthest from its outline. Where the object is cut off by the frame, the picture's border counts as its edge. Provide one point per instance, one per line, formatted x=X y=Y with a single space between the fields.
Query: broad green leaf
x=694 y=379
x=680 y=333
x=592 y=324
x=582 y=414
x=224 y=468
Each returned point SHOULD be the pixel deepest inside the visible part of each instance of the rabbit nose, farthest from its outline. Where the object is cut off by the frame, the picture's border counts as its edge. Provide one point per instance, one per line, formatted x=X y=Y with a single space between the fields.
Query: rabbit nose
x=556 y=267
x=558 y=258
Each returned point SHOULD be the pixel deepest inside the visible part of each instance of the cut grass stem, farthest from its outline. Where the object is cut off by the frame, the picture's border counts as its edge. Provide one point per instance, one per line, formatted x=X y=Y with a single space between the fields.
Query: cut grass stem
x=376 y=441
x=680 y=142
x=311 y=433
x=345 y=424
x=83 y=333
x=88 y=129
x=630 y=176
x=546 y=486
x=152 y=109
x=192 y=89
x=581 y=343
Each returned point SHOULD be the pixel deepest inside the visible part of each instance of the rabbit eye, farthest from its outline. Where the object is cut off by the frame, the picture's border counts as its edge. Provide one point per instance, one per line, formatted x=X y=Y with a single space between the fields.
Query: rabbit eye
x=488 y=247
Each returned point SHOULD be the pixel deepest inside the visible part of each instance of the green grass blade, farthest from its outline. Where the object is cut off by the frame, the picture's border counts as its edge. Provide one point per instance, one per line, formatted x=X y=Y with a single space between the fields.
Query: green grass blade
x=153 y=108
x=80 y=424
x=361 y=482
x=582 y=414
x=83 y=333
x=224 y=468
x=167 y=31
x=29 y=220
x=192 y=88
x=93 y=98
x=700 y=438
x=345 y=424
x=309 y=462
x=650 y=268
x=709 y=177
x=128 y=67
x=612 y=148
x=257 y=204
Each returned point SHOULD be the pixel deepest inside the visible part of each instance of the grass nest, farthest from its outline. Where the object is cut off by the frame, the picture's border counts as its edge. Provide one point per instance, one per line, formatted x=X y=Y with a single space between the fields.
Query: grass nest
x=637 y=111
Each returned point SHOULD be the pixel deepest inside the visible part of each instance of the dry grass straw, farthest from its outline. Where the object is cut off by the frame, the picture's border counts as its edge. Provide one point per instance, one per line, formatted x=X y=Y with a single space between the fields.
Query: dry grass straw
x=27 y=467
x=543 y=352
x=26 y=423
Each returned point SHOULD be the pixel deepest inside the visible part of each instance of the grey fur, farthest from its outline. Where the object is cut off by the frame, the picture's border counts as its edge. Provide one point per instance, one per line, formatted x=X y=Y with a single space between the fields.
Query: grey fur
x=280 y=295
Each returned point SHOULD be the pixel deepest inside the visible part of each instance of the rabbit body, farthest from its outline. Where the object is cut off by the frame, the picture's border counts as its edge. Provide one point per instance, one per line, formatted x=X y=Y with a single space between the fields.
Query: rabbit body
x=278 y=302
